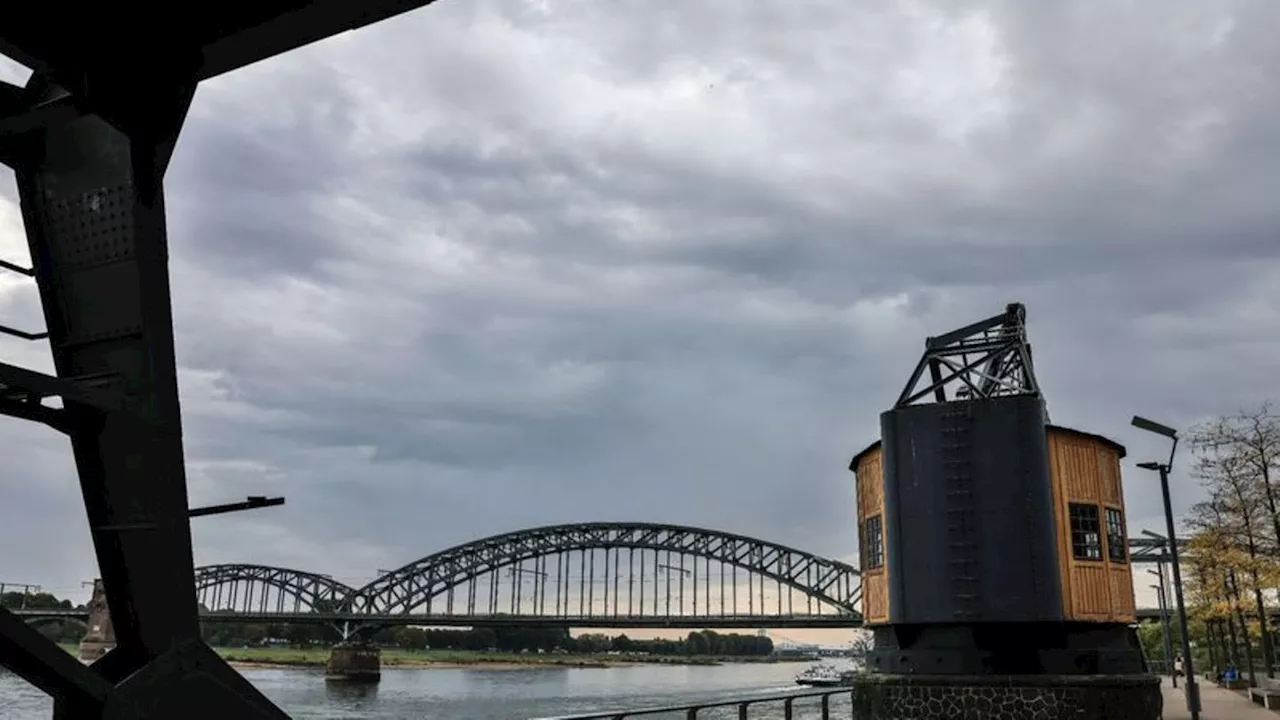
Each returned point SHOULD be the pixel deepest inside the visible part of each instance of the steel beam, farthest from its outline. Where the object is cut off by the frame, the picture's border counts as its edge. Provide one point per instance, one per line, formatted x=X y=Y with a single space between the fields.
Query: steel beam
x=218 y=37
x=40 y=662
x=93 y=205
x=94 y=211
x=254 y=502
x=90 y=138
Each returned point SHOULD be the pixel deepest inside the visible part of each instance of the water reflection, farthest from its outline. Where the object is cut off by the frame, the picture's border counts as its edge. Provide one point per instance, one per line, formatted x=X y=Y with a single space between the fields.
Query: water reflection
x=488 y=693
x=351 y=694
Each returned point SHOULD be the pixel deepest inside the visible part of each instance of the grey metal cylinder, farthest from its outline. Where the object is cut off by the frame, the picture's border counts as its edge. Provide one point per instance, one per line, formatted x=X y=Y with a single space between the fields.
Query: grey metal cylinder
x=970 y=527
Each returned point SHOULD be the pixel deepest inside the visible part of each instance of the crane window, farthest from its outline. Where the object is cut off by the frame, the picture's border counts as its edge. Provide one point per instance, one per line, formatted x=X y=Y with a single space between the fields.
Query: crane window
x=1086 y=540
x=1117 y=551
x=873 y=543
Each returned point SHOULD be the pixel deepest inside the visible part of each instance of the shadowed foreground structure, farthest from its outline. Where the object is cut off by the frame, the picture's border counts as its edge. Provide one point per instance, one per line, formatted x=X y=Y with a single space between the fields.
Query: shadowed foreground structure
x=90 y=137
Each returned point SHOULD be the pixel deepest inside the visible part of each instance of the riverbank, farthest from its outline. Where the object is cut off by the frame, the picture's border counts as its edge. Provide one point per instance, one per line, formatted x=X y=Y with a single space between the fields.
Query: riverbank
x=318 y=656
x=396 y=657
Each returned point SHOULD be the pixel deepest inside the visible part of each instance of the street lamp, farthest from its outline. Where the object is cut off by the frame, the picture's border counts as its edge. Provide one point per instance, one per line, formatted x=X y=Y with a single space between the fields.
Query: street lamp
x=1164 y=622
x=1164 y=577
x=1164 y=586
x=1171 y=542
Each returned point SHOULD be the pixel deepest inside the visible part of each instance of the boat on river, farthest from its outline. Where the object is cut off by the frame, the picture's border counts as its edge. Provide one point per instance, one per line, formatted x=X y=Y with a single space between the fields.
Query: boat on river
x=825 y=676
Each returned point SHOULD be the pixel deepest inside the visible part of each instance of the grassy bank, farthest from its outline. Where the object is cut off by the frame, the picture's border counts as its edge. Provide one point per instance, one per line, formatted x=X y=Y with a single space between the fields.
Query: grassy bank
x=395 y=657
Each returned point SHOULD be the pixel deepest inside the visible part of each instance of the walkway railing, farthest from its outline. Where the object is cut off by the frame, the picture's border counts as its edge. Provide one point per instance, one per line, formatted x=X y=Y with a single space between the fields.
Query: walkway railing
x=820 y=699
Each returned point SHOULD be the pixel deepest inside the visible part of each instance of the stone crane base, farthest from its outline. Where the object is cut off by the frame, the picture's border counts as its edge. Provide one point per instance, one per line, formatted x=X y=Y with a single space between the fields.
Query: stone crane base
x=1007 y=697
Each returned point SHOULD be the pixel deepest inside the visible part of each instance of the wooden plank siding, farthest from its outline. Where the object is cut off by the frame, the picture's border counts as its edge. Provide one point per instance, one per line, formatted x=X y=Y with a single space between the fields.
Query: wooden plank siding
x=870 y=498
x=1086 y=469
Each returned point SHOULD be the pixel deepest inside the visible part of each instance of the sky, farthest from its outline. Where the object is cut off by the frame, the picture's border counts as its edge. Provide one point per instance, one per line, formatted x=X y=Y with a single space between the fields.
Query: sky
x=496 y=264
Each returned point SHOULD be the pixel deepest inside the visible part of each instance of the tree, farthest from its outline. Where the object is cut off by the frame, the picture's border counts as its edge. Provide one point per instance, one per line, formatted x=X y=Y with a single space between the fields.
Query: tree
x=593 y=643
x=1236 y=459
x=697 y=644
x=1238 y=515
x=1253 y=438
x=1216 y=543
x=863 y=643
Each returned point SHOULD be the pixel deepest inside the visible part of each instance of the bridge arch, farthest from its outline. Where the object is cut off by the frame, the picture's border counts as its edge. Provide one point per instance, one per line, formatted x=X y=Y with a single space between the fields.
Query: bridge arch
x=263 y=588
x=833 y=585
x=39 y=620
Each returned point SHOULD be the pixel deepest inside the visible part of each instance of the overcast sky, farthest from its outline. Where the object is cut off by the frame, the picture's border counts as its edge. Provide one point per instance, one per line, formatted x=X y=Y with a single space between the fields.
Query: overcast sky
x=498 y=264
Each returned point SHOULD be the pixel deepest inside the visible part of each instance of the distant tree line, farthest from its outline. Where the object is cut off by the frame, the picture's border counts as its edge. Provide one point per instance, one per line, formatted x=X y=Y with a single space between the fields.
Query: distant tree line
x=507 y=639
x=63 y=631
x=547 y=640
x=238 y=634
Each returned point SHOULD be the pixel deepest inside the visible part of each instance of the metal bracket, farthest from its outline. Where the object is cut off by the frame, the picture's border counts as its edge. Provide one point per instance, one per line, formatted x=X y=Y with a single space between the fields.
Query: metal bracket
x=23 y=391
x=35 y=412
x=252 y=502
x=29 y=272
x=32 y=109
x=20 y=384
x=23 y=333
x=41 y=115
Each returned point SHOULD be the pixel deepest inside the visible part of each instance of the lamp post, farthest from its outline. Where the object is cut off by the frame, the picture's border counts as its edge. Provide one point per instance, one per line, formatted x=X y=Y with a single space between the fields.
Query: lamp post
x=1164 y=576
x=1166 y=610
x=1164 y=622
x=1171 y=542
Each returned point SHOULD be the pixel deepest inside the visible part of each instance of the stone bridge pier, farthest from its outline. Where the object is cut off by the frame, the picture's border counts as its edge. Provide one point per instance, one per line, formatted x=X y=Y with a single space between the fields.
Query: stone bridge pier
x=356 y=659
x=99 y=637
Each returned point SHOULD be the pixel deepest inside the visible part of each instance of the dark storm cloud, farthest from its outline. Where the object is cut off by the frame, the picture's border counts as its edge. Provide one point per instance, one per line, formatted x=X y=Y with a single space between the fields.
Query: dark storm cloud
x=494 y=264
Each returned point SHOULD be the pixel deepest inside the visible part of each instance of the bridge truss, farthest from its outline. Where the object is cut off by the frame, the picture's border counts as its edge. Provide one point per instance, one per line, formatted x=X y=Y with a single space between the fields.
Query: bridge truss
x=619 y=575
x=590 y=574
x=263 y=590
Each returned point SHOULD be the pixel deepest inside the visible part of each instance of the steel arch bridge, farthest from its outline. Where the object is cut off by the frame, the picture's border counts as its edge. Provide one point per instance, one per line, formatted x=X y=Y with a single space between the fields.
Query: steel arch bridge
x=262 y=589
x=587 y=574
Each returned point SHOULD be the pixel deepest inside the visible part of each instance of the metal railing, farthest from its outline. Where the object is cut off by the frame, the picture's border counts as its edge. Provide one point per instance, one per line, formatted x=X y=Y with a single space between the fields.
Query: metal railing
x=691 y=710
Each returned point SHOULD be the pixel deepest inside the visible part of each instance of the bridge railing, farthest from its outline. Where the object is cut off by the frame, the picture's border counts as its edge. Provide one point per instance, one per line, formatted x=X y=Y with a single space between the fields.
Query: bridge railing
x=813 y=704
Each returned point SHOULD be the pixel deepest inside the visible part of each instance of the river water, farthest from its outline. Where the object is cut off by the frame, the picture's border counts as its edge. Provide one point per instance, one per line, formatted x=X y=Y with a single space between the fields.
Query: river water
x=479 y=694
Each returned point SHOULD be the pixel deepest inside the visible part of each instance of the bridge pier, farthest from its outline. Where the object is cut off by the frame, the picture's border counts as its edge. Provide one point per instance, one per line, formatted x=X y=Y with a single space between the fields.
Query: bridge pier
x=100 y=636
x=356 y=659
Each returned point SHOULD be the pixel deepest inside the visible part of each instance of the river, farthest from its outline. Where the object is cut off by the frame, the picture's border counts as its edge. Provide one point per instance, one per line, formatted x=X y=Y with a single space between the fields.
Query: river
x=478 y=694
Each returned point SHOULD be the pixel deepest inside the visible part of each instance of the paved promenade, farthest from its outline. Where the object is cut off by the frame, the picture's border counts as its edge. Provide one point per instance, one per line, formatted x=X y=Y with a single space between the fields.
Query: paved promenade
x=1215 y=704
